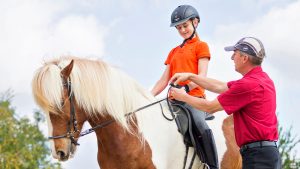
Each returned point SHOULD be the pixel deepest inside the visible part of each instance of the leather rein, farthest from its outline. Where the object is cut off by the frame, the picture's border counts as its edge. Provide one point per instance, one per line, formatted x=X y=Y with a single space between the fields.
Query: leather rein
x=73 y=122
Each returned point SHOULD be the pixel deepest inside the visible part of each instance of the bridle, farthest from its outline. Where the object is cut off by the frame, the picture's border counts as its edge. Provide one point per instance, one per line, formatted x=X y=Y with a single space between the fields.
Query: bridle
x=73 y=122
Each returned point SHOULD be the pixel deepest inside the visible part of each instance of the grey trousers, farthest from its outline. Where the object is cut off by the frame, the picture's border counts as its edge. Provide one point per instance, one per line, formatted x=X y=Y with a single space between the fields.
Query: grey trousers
x=200 y=114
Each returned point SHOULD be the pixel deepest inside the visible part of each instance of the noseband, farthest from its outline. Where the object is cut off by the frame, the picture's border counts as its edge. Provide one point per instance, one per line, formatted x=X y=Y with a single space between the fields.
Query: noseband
x=73 y=122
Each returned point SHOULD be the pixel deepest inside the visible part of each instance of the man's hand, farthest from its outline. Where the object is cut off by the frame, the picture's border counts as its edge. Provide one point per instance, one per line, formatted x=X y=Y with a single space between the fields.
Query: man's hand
x=180 y=77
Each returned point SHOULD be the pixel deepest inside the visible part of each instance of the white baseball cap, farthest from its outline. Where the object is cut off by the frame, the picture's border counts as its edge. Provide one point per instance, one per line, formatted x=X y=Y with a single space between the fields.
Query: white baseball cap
x=249 y=45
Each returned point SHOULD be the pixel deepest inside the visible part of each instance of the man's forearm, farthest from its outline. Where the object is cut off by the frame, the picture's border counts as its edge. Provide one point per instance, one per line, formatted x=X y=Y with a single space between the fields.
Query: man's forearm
x=203 y=104
x=212 y=85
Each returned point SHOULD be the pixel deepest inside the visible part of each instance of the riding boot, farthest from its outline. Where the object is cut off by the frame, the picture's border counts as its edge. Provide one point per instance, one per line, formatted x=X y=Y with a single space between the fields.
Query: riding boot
x=209 y=148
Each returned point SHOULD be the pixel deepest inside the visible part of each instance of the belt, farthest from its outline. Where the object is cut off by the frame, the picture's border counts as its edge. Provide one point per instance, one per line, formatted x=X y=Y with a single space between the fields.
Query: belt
x=259 y=144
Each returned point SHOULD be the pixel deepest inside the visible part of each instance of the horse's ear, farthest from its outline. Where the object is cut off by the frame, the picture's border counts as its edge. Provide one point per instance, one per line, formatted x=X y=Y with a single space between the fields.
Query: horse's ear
x=67 y=70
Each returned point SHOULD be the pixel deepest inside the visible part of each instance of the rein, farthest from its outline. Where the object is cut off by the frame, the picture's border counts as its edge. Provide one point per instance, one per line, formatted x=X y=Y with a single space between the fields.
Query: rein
x=108 y=122
x=70 y=133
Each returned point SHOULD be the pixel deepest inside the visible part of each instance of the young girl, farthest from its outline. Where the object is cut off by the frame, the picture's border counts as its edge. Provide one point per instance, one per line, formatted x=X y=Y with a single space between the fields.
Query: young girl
x=191 y=56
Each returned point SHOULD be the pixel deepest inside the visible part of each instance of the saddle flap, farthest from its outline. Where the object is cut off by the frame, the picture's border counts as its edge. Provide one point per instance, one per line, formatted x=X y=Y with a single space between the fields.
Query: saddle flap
x=195 y=134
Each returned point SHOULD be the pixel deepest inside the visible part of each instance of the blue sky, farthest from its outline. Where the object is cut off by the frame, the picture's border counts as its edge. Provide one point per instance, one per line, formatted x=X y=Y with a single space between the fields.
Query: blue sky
x=135 y=36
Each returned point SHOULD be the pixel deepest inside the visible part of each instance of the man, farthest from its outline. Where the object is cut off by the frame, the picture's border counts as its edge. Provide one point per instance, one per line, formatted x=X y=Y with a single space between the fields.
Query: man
x=251 y=100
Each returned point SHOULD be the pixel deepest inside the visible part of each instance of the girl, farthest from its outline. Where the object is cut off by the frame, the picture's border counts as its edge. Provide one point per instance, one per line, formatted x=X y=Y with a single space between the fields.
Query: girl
x=191 y=56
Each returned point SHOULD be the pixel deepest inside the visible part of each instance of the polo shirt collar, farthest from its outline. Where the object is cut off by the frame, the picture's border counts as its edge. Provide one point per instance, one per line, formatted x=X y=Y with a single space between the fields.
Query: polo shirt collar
x=196 y=38
x=255 y=70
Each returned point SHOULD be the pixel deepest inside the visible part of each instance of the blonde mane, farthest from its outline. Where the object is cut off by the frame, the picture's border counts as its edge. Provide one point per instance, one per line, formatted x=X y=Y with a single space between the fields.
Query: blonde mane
x=97 y=87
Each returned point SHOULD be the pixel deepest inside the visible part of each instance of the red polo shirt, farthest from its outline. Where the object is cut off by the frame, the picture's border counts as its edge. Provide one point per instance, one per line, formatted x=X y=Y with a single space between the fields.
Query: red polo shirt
x=252 y=101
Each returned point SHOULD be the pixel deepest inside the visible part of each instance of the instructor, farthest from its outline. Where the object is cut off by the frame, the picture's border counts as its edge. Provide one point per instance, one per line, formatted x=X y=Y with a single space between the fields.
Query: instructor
x=251 y=100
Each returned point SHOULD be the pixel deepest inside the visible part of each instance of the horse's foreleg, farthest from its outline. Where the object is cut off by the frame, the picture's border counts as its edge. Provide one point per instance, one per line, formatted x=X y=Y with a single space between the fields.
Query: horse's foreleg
x=231 y=158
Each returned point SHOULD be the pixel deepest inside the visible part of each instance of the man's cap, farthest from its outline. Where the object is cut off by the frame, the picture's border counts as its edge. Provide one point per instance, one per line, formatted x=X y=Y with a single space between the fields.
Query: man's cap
x=249 y=45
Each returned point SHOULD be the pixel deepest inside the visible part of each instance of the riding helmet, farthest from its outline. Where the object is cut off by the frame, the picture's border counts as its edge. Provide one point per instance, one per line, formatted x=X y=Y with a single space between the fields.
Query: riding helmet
x=182 y=14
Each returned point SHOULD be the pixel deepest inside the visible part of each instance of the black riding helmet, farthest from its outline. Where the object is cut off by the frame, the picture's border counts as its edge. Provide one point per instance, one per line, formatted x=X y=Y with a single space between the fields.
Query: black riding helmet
x=182 y=14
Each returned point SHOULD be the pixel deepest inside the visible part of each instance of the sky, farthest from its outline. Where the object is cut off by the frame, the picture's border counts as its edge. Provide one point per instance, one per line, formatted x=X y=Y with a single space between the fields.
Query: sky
x=135 y=36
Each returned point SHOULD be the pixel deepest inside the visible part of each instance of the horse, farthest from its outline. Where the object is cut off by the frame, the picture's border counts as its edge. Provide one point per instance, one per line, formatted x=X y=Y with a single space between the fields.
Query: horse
x=72 y=91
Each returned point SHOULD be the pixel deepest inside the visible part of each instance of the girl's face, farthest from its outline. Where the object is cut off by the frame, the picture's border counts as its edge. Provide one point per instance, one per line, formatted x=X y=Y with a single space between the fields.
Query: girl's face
x=186 y=29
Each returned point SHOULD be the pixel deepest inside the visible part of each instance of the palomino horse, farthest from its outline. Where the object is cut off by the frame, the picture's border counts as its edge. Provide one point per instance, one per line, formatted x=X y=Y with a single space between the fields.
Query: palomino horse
x=72 y=91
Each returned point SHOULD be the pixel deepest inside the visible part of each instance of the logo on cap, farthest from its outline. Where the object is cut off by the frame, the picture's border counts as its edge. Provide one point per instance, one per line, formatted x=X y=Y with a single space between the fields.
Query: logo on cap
x=245 y=48
x=176 y=18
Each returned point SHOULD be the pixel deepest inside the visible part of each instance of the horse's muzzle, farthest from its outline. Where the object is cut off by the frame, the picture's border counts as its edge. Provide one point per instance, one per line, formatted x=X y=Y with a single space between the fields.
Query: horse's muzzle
x=62 y=156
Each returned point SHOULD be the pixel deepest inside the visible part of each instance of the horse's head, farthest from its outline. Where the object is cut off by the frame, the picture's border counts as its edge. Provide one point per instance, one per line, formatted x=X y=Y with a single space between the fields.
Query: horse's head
x=65 y=119
x=71 y=93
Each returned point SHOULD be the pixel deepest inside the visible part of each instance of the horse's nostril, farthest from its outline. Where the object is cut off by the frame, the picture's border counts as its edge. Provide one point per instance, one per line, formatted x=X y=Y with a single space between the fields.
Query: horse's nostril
x=61 y=154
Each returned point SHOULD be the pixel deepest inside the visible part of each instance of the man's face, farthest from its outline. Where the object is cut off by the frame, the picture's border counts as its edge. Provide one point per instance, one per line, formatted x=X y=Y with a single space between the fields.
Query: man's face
x=238 y=60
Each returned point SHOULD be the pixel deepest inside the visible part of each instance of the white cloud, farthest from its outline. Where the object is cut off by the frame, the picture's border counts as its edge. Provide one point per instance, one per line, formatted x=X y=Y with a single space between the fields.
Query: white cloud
x=77 y=35
x=33 y=31
x=278 y=30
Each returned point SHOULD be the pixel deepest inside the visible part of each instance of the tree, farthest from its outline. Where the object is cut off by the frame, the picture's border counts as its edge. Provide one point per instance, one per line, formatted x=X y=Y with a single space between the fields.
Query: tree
x=287 y=142
x=22 y=144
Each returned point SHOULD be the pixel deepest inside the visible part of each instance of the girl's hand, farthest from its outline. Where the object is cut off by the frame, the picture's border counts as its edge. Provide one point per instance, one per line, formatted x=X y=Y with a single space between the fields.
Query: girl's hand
x=177 y=94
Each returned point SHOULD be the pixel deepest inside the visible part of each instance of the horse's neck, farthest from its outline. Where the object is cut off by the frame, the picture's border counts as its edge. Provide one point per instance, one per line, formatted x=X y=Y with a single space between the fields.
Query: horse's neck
x=117 y=147
x=111 y=133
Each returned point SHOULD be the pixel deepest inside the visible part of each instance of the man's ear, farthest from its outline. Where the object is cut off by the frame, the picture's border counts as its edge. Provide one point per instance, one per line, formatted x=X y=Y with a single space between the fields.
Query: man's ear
x=246 y=58
x=67 y=70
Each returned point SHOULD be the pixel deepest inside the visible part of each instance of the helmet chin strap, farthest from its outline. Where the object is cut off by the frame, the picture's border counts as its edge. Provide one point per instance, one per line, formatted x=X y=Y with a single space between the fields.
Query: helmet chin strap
x=189 y=38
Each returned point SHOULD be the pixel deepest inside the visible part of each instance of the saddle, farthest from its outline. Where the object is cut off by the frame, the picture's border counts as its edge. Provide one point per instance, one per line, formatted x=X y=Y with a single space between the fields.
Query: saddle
x=188 y=125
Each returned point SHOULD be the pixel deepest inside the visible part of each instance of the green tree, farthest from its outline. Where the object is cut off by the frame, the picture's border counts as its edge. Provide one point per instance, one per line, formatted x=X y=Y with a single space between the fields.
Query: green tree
x=22 y=144
x=287 y=142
